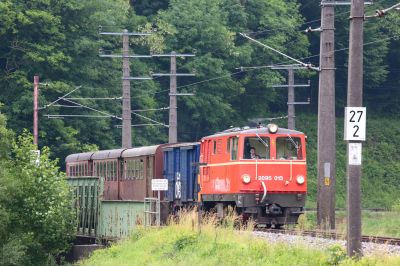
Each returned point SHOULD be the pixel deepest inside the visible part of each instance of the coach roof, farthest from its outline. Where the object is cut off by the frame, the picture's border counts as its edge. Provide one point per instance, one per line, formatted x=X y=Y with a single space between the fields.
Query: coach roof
x=78 y=157
x=107 y=154
x=140 y=151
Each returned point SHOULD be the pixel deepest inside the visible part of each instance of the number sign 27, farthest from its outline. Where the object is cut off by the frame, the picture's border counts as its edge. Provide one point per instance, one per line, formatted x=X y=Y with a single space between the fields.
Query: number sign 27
x=354 y=123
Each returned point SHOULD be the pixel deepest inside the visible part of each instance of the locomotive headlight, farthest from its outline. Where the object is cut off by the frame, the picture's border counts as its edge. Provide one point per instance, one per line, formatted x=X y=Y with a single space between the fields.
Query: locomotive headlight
x=300 y=179
x=246 y=178
x=272 y=128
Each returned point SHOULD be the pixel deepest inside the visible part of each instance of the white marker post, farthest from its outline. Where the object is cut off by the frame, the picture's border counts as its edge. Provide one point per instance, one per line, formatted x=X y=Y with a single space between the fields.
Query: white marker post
x=159 y=185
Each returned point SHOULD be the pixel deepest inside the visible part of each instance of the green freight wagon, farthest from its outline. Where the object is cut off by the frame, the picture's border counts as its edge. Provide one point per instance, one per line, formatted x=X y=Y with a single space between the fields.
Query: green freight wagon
x=99 y=218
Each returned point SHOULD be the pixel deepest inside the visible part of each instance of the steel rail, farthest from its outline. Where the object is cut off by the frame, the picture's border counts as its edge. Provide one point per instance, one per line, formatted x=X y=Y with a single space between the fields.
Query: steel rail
x=333 y=235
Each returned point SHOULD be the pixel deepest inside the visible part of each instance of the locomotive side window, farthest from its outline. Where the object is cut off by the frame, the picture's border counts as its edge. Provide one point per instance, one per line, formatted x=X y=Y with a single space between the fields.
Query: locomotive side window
x=288 y=148
x=219 y=146
x=234 y=148
x=260 y=145
x=215 y=147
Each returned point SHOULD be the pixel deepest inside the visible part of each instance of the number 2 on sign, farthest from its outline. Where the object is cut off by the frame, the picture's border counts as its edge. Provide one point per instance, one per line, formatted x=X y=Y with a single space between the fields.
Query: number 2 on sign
x=355 y=133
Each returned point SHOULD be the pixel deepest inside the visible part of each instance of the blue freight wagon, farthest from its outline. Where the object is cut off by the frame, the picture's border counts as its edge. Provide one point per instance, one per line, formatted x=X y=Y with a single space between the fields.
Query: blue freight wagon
x=180 y=168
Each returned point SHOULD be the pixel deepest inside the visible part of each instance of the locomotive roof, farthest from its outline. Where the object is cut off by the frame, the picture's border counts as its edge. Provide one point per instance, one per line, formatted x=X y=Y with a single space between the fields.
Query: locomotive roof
x=77 y=157
x=140 y=151
x=261 y=130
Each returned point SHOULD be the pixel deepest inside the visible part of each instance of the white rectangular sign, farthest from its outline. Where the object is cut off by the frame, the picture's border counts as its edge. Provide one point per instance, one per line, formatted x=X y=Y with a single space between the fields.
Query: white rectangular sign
x=355 y=153
x=159 y=184
x=355 y=123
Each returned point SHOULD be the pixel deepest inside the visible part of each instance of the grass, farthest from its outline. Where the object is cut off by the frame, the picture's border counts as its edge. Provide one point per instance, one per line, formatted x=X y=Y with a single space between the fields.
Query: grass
x=181 y=243
x=372 y=223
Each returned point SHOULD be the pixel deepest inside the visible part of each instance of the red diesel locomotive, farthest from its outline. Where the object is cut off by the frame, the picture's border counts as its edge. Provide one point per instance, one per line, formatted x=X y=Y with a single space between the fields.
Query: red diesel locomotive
x=261 y=172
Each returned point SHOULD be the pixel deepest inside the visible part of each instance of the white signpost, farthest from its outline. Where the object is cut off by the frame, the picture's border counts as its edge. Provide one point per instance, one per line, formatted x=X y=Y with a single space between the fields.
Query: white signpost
x=355 y=123
x=159 y=185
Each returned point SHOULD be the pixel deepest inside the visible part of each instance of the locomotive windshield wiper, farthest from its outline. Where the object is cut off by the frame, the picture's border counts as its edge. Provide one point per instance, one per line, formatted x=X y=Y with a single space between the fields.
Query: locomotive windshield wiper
x=262 y=141
x=294 y=143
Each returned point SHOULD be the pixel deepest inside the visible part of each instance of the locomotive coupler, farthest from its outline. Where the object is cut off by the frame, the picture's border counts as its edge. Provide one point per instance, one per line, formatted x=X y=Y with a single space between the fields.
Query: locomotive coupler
x=273 y=209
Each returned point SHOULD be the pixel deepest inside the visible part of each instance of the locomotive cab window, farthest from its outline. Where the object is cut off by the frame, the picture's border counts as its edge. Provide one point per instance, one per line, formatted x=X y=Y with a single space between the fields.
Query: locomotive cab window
x=234 y=147
x=288 y=148
x=256 y=148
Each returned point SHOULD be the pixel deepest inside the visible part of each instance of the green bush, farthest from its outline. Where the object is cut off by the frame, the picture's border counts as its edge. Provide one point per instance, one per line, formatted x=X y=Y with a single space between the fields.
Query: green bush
x=35 y=205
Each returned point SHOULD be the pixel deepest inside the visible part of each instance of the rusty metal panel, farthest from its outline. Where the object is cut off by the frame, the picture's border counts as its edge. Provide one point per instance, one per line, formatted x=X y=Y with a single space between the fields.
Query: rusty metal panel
x=118 y=219
x=111 y=190
x=133 y=189
x=87 y=194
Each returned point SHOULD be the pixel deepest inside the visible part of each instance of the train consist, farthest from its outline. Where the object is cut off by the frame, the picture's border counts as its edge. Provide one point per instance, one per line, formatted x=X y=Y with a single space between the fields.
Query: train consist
x=261 y=172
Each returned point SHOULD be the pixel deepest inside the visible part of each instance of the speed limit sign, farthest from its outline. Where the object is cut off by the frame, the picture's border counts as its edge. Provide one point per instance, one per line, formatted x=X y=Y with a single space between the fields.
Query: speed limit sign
x=355 y=123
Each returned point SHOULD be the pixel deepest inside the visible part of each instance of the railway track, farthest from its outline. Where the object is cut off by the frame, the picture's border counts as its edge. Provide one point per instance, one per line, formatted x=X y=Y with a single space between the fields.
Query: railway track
x=333 y=235
x=341 y=209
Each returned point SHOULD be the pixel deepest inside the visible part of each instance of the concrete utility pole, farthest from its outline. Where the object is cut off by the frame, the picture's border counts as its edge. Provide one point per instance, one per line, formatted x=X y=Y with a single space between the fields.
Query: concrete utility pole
x=354 y=99
x=35 y=109
x=291 y=94
x=173 y=119
x=326 y=120
x=126 y=94
x=291 y=98
x=126 y=85
x=173 y=113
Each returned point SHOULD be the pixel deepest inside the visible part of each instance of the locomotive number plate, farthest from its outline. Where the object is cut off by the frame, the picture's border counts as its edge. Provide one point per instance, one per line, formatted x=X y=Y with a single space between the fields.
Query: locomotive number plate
x=269 y=178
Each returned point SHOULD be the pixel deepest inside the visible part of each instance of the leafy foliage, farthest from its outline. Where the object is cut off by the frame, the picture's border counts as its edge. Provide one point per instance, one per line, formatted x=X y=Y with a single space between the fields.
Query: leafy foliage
x=59 y=41
x=35 y=206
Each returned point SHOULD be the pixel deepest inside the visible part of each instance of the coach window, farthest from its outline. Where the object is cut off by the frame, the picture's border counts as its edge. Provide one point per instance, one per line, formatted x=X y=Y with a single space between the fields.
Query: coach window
x=288 y=148
x=261 y=146
x=115 y=170
x=150 y=167
x=106 y=172
x=112 y=171
x=234 y=148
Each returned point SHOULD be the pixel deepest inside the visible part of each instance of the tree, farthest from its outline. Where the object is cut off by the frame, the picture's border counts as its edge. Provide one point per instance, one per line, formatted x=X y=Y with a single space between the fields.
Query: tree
x=60 y=41
x=37 y=221
x=210 y=28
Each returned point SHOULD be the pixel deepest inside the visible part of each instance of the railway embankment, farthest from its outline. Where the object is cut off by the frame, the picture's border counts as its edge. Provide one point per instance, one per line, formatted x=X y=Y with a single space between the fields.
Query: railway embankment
x=185 y=243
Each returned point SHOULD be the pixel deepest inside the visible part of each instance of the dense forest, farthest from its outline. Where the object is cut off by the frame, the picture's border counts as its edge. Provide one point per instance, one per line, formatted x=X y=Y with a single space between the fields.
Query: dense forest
x=60 y=42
